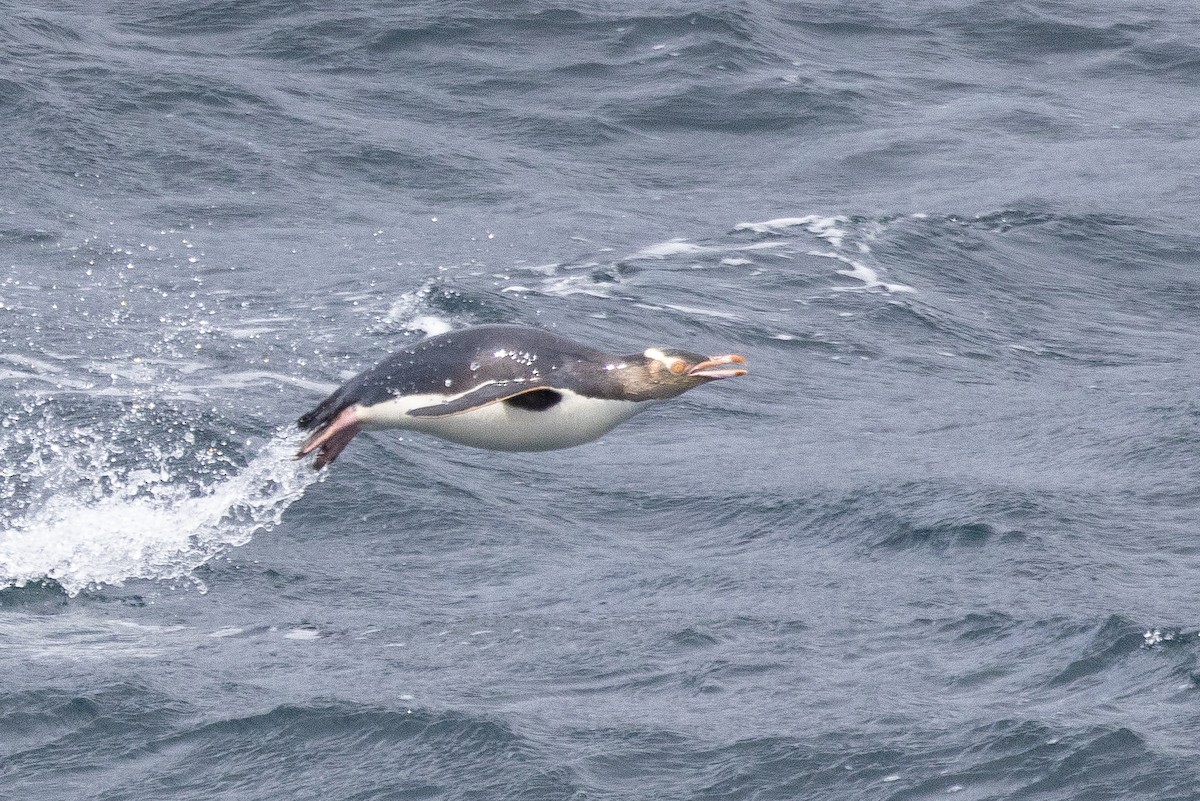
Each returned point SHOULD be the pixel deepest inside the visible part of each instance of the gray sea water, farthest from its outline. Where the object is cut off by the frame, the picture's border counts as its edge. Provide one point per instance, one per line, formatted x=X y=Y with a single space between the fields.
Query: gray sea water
x=940 y=543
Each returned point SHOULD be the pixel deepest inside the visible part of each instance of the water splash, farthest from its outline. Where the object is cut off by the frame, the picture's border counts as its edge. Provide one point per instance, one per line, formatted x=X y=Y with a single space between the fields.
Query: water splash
x=80 y=513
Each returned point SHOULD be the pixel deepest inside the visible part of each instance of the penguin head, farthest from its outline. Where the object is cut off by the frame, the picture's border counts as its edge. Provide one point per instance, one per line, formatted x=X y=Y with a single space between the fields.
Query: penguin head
x=670 y=371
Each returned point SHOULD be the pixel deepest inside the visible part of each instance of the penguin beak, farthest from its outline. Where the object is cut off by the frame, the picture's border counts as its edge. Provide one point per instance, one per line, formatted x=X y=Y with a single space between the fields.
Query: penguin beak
x=711 y=369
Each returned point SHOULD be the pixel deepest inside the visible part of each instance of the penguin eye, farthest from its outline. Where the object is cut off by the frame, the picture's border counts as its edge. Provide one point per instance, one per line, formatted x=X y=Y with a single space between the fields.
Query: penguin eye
x=678 y=366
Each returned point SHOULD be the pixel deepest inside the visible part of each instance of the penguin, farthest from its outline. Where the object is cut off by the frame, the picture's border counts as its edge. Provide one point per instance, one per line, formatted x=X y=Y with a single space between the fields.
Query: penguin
x=505 y=388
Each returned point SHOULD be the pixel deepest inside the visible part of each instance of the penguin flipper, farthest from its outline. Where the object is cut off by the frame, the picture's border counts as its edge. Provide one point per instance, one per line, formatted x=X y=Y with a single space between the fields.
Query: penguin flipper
x=534 y=399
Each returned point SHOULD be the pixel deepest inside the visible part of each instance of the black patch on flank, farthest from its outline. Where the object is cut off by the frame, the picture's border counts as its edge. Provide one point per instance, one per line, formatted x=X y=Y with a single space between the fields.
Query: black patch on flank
x=538 y=400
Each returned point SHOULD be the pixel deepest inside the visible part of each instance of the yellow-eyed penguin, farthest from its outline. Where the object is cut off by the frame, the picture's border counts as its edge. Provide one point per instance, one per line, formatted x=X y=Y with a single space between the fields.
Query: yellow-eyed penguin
x=505 y=388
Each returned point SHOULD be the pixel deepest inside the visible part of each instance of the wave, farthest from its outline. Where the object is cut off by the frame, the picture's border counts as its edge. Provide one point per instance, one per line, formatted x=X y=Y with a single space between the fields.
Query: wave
x=284 y=751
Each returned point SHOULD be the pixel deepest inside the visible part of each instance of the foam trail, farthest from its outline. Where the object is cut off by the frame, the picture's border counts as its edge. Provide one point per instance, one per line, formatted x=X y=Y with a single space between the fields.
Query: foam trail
x=145 y=527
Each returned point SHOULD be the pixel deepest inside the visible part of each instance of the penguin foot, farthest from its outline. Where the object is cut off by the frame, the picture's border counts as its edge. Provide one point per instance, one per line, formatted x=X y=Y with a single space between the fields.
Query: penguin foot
x=331 y=440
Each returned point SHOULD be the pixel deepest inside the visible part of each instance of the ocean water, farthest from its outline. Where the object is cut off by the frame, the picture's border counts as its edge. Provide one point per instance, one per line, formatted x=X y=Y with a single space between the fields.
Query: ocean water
x=942 y=542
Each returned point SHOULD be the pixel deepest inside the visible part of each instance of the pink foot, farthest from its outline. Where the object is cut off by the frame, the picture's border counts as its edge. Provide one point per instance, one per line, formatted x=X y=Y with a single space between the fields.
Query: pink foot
x=331 y=440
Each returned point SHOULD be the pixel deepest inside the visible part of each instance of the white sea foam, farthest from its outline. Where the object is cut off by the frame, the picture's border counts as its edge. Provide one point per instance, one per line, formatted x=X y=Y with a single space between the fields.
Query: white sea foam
x=431 y=325
x=860 y=272
x=227 y=631
x=680 y=247
x=832 y=229
x=302 y=634
x=843 y=236
x=775 y=226
x=662 y=250
x=107 y=528
x=578 y=284
x=408 y=312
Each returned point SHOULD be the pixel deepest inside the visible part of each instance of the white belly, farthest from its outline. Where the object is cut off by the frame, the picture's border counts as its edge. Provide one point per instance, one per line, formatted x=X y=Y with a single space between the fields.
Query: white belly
x=499 y=427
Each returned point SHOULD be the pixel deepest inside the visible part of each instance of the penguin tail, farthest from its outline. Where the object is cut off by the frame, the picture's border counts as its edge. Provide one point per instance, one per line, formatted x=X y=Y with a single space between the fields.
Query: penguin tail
x=331 y=435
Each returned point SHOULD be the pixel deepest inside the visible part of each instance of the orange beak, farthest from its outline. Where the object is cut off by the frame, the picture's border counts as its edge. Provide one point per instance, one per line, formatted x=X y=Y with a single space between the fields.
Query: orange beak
x=711 y=368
